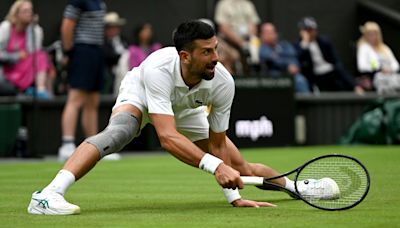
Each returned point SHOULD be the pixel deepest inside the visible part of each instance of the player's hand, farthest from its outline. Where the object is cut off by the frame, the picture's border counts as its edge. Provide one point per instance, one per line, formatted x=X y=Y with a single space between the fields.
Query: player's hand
x=251 y=203
x=227 y=177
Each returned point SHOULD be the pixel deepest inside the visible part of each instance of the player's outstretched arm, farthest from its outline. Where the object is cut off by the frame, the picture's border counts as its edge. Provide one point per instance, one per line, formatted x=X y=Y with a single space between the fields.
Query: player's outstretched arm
x=219 y=148
x=183 y=149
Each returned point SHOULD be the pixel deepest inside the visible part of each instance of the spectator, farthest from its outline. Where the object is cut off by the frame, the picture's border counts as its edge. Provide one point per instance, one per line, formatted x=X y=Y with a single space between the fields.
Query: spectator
x=143 y=45
x=279 y=57
x=374 y=57
x=82 y=33
x=320 y=62
x=237 y=21
x=21 y=56
x=227 y=55
x=114 y=47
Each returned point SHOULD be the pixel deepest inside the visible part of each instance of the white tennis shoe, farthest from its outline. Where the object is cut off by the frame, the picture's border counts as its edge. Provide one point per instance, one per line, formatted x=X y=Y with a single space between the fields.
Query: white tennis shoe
x=51 y=203
x=322 y=189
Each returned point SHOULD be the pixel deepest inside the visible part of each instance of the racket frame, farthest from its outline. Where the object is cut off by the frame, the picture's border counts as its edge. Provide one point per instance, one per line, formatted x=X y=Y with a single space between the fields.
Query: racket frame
x=266 y=184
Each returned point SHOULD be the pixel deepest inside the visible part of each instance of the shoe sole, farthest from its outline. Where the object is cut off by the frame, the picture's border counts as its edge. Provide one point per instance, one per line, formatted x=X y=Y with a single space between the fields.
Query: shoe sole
x=34 y=210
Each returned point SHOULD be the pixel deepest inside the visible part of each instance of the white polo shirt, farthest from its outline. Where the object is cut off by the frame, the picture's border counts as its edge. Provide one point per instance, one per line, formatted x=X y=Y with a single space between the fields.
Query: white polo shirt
x=156 y=86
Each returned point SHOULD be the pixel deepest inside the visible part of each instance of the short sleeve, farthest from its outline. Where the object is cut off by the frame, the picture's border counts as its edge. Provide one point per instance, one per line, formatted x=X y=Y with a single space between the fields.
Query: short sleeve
x=394 y=64
x=73 y=9
x=363 y=64
x=158 y=88
x=221 y=107
x=254 y=18
x=221 y=16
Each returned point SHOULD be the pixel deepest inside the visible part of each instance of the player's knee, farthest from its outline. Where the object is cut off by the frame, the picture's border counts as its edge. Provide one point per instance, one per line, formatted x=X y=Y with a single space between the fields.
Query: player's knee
x=119 y=132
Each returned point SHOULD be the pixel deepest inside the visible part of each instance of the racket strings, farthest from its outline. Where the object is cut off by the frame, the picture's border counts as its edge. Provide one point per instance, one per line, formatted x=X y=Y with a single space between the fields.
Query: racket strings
x=349 y=176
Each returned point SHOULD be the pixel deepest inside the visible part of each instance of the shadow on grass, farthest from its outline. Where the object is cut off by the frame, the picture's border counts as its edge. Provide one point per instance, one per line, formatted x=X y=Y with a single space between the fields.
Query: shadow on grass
x=172 y=207
x=166 y=208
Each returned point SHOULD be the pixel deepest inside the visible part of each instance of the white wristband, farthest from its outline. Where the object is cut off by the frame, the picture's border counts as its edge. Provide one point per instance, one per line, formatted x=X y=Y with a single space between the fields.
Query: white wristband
x=231 y=195
x=209 y=163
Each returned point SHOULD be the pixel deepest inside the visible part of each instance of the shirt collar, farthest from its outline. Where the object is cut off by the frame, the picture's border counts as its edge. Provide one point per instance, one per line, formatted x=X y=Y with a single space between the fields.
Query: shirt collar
x=178 y=74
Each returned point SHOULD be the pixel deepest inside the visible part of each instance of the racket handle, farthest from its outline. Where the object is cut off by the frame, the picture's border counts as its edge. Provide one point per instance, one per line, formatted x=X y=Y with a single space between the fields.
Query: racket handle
x=252 y=180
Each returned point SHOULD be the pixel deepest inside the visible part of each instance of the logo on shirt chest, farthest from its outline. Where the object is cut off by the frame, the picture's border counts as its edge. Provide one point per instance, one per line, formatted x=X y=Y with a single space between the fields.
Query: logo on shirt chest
x=199 y=102
x=190 y=101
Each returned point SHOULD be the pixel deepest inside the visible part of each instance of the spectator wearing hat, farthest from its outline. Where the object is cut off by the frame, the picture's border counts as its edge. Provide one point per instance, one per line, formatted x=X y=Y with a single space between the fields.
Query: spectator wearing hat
x=319 y=61
x=114 y=47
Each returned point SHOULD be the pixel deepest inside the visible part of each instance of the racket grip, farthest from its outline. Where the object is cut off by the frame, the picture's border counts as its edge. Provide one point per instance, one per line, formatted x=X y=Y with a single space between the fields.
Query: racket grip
x=247 y=180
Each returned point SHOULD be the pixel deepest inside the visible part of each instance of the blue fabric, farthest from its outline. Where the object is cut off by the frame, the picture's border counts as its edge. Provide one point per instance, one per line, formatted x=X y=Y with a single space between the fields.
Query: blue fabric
x=278 y=58
x=301 y=84
x=275 y=61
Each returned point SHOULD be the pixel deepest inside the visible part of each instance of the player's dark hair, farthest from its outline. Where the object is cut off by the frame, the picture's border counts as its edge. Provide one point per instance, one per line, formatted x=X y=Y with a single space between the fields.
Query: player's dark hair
x=187 y=32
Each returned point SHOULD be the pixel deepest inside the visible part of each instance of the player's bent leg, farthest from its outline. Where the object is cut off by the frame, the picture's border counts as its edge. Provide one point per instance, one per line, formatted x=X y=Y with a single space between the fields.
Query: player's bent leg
x=250 y=169
x=253 y=169
x=240 y=164
x=121 y=130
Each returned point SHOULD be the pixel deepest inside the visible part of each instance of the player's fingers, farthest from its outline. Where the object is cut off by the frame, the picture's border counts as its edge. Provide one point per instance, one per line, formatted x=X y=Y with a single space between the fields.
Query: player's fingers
x=239 y=183
x=265 y=204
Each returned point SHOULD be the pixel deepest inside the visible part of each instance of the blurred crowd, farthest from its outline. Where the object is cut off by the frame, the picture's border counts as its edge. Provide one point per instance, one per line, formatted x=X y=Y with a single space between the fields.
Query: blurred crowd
x=28 y=68
x=92 y=57
x=251 y=47
x=247 y=47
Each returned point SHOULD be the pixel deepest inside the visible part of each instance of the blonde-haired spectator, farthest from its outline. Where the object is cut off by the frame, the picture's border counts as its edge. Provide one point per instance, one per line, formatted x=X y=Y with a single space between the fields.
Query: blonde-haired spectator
x=374 y=58
x=21 y=56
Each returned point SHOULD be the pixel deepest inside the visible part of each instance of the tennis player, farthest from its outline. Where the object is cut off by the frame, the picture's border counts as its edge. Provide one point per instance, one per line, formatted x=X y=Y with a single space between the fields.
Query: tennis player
x=170 y=90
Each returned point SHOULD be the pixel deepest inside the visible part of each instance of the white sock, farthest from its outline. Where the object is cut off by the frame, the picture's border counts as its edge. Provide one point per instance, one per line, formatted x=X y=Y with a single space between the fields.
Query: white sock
x=60 y=184
x=289 y=184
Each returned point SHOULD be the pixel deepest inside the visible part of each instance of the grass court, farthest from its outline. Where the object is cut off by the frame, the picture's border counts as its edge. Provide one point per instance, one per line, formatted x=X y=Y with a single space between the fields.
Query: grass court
x=156 y=190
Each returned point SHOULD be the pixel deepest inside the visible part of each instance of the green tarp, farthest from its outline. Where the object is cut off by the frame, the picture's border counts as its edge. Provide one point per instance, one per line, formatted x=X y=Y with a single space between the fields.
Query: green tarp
x=379 y=124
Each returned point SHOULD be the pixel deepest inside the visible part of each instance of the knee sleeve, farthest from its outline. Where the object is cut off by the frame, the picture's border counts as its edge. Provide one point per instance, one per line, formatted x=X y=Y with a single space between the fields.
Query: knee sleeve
x=121 y=129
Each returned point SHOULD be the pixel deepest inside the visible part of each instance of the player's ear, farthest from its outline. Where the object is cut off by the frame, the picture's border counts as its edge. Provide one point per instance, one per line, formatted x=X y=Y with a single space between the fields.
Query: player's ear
x=185 y=56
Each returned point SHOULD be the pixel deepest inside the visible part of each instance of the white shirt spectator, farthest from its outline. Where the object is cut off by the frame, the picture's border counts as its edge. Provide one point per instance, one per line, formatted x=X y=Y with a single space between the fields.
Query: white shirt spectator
x=369 y=60
x=239 y=14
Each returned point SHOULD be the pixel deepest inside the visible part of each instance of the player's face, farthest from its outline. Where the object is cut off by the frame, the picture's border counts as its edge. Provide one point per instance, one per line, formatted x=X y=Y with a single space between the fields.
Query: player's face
x=204 y=58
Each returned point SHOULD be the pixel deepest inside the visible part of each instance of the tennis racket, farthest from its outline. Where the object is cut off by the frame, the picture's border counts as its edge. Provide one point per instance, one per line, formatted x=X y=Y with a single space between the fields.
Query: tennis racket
x=330 y=182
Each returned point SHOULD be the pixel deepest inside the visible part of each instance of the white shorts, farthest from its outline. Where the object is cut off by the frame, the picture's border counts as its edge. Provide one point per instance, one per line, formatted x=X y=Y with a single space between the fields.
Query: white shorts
x=191 y=123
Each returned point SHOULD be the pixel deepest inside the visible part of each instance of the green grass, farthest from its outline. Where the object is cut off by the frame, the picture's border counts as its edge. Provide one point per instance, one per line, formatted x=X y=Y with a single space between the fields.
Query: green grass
x=159 y=191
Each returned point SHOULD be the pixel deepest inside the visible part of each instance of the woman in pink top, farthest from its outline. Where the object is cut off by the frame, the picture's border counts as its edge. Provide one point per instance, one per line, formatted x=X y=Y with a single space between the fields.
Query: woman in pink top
x=143 y=45
x=21 y=57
